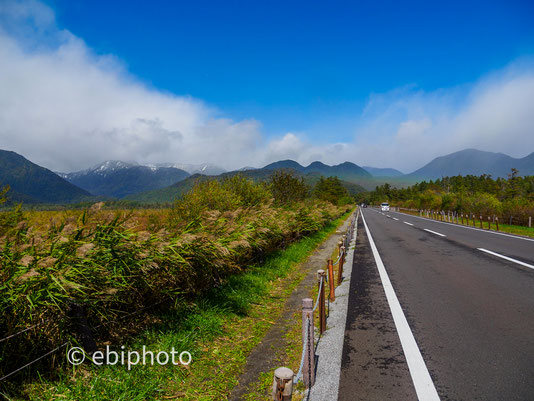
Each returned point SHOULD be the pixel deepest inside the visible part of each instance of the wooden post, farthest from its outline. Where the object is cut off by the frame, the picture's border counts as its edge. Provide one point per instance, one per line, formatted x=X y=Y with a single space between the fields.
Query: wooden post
x=81 y=326
x=481 y=221
x=341 y=262
x=321 y=275
x=529 y=221
x=331 y=280
x=308 y=370
x=462 y=219
x=283 y=384
x=497 y=223
x=474 y=220
x=489 y=223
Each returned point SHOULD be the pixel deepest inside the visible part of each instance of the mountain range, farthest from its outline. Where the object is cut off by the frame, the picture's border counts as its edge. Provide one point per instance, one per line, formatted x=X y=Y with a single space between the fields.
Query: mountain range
x=30 y=183
x=383 y=172
x=345 y=171
x=163 y=182
x=118 y=179
x=474 y=162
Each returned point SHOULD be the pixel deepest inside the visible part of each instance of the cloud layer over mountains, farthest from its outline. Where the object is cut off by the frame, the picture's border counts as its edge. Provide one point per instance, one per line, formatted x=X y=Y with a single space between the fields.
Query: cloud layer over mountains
x=67 y=108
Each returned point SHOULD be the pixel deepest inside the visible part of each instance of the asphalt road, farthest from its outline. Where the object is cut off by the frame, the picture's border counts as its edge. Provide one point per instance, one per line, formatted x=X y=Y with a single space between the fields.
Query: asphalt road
x=471 y=313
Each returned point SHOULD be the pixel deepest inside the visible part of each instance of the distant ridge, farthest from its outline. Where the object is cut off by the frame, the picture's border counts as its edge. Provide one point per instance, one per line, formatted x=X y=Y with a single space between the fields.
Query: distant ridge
x=474 y=162
x=118 y=179
x=383 y=172
x=346 y=171
x=205 y=168
x=31 y=183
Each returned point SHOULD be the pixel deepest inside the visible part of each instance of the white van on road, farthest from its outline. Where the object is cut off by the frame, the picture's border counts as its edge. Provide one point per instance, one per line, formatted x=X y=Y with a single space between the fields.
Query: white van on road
x=384 y=207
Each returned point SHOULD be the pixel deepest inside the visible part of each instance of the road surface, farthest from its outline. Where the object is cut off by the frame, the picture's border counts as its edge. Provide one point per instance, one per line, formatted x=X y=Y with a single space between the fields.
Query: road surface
x=438 y=311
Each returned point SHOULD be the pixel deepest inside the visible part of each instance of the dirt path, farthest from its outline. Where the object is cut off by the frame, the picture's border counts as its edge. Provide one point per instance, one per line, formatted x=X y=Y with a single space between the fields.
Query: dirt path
x=262 y=357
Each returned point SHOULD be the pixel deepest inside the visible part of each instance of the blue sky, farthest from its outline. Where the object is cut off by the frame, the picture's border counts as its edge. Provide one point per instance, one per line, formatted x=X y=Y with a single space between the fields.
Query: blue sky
x=383 y=83
x=301 y=65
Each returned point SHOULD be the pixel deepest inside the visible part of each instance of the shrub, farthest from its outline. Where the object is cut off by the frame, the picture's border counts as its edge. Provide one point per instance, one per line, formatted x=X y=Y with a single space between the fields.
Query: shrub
x=331 y=189
x=228 y=194
x=483 y=204
x=249 y=192
x=286 y=188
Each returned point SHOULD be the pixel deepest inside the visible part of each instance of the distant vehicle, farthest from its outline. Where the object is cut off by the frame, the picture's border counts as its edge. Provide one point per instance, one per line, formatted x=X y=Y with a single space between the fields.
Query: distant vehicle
x=364 y=204
x=384 y=207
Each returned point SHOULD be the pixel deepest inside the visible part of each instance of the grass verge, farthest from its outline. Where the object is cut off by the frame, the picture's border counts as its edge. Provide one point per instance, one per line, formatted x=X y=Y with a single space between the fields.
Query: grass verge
x=219 y=331
x=290 y=356
x=505 y=228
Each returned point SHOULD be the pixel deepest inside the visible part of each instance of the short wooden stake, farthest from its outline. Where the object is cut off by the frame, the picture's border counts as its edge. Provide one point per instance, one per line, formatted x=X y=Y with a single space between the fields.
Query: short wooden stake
x=481 y=222
x=308 y=370
x=321 y=275
x=283 y=384
x=497 y=223
x=489 y=223
x=340 y=270
x=79 y=320
x=331 y=280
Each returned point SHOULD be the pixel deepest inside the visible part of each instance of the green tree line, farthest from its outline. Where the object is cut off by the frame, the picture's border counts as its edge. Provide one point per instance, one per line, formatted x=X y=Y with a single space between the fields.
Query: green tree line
x=511 y=197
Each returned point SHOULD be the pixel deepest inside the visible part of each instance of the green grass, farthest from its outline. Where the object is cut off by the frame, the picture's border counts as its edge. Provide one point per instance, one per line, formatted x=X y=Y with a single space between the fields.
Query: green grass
x=219 y=330
x=507 y=228
x=521 y=230
x=291 y=355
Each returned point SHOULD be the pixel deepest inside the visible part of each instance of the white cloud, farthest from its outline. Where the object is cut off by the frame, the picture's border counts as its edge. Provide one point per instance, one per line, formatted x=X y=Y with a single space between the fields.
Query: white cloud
x=65 y=107
x=409 y=128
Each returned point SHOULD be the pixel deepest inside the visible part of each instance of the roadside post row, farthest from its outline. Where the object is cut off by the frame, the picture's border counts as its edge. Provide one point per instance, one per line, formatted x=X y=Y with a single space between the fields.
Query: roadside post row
x=480 y=249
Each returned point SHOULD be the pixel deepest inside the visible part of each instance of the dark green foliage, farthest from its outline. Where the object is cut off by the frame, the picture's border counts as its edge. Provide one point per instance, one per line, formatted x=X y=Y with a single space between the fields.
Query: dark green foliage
x=3 y=192
x=331 y=189
x=504 y=197
x=287 y=187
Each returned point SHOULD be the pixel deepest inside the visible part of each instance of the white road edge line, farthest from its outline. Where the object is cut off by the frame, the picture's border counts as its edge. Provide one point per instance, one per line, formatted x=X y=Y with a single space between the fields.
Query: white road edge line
x=405 y=222
x=434 y=232
x=506 y=257
x=394 y=218
x=424 y=386
x=469 y=228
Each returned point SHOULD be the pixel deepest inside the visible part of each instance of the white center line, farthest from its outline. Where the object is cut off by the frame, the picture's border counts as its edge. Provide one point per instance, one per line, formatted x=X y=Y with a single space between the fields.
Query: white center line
x=506 y=257
x=394 y=218
x=405 y=222
x=424 y=386
x=434 y=232
x=387 y=215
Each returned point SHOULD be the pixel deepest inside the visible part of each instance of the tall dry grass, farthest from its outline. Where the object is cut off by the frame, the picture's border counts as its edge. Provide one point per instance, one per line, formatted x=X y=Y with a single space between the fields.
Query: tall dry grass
x=117 y=262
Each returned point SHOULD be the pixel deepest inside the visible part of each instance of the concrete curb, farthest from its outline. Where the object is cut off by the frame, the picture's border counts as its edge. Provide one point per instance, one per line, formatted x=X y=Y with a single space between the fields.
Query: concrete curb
x=329 y=347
